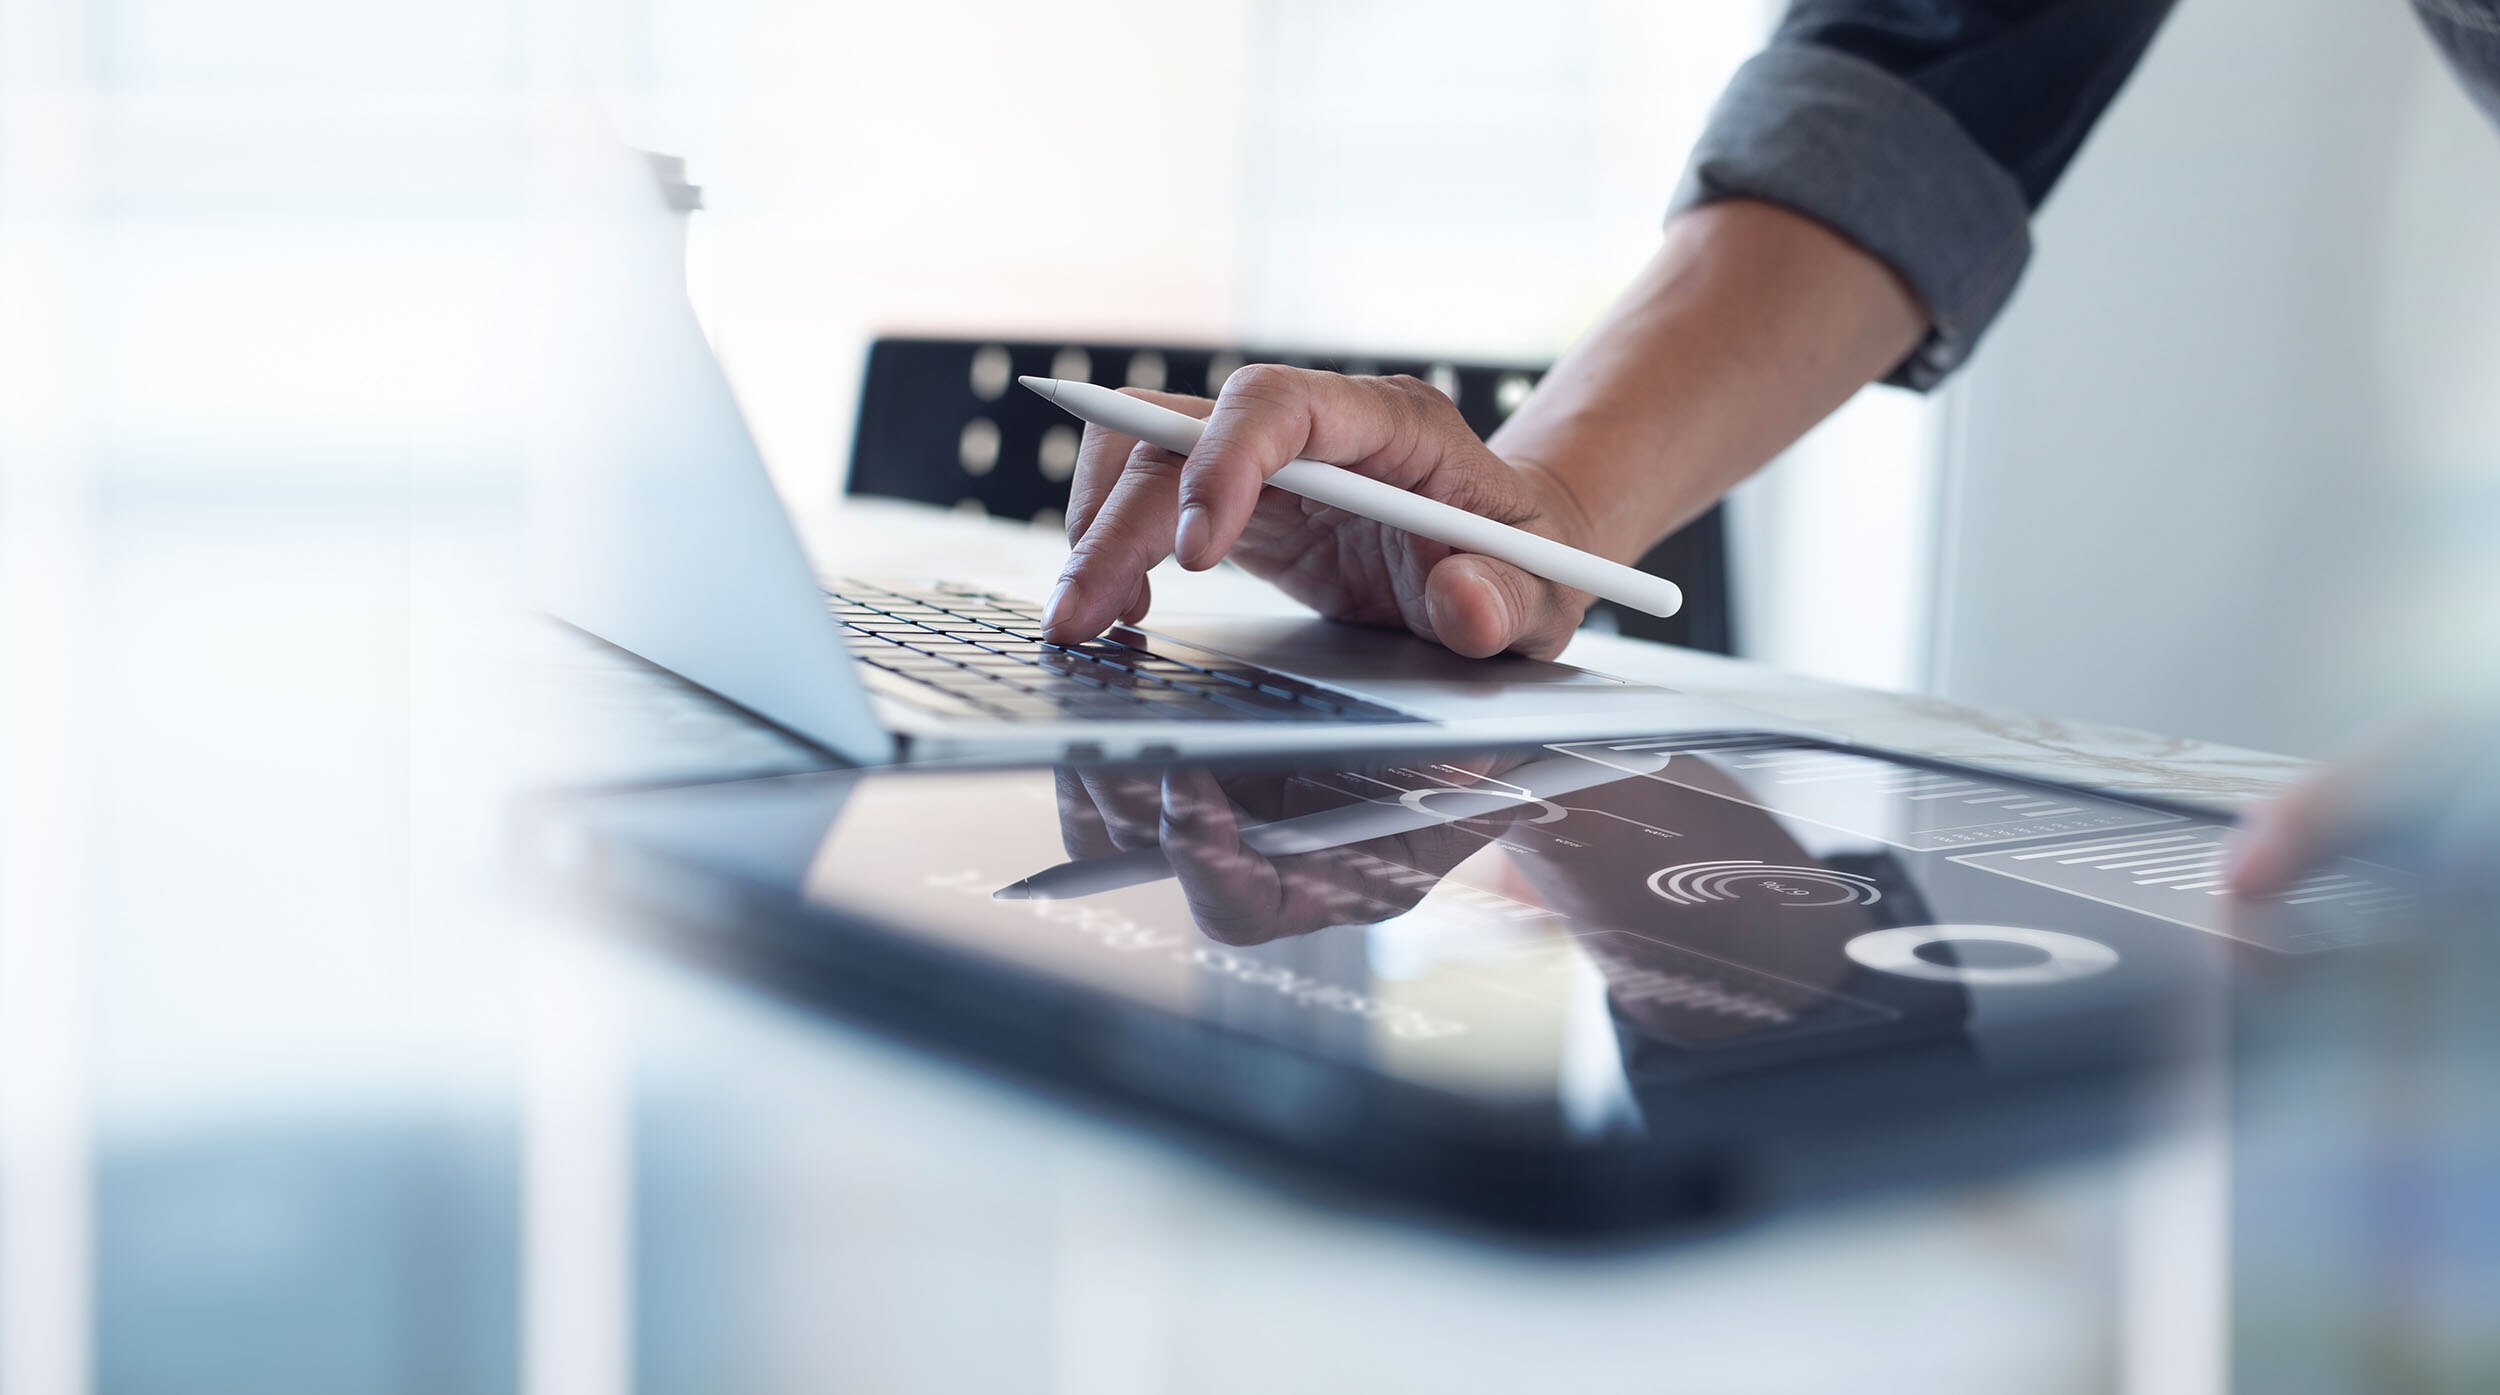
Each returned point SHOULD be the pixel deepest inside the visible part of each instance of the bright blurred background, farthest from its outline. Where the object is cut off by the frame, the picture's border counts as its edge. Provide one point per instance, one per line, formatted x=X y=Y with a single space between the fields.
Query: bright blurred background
x=2225 y=435
x=2229 y=468
x=2236 y=429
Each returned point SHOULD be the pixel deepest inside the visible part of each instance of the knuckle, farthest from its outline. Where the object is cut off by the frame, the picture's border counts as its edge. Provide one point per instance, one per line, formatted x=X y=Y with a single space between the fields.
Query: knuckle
x=1100 y=547
x=1201 y=495
x=1147 y=459
x=1408 y=415
x=1431 y=406
x=1414 y=389
x=1266 y=382
x=1200 y=488
x=1096 y=438
x=1097 y=448
x=1523 y=596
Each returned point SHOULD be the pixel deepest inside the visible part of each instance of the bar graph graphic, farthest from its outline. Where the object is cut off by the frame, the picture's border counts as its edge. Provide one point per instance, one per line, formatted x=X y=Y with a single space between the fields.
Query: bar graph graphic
x=1904 y=805
x=2179 y=875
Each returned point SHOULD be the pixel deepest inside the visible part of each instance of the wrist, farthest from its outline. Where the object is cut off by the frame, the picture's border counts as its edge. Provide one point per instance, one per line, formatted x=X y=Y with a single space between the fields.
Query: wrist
x=1577 y=511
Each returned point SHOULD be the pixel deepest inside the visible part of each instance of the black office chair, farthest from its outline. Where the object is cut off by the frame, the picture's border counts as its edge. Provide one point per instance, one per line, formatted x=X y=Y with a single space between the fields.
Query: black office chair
x=941 y=421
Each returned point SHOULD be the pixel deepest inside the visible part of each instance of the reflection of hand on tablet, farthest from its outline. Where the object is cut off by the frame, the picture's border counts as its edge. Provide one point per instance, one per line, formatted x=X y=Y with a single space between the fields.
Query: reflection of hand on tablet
x=1753 y=926
x=1240 y=895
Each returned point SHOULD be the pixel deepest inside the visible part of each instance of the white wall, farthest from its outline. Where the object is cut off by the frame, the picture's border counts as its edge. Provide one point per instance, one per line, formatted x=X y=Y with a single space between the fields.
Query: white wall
x=1471 y=177
x=882 y=167
x=2226 y=468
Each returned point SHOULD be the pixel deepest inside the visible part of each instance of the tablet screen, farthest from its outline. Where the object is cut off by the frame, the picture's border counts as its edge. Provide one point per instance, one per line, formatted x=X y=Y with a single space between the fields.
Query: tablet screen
x=1559 y=926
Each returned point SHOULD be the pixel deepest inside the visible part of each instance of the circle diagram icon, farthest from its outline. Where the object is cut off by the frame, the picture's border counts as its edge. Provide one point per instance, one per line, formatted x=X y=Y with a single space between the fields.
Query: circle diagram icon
x=1981 y=955
x=1693 y=883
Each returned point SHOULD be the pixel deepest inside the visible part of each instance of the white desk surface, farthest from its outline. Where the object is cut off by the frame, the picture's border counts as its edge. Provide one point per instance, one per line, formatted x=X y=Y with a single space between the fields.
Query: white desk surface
x=329 y=1102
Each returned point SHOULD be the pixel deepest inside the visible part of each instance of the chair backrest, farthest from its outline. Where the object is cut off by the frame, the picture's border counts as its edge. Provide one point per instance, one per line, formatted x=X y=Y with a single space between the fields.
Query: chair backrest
x=941 y=422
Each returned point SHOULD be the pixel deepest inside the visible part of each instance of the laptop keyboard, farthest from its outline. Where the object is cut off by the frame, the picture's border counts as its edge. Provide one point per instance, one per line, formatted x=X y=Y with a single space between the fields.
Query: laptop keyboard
x=970 y=653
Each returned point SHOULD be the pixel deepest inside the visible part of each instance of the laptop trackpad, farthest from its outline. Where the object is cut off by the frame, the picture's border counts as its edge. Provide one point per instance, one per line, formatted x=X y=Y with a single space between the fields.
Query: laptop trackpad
x=1363 y=658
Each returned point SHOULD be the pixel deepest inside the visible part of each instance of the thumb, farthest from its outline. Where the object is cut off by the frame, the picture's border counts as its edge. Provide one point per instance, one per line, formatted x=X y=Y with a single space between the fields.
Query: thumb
x=1480 y=607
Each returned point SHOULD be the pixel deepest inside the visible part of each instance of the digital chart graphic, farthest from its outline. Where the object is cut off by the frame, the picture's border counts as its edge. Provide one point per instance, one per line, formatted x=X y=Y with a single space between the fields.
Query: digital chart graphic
x=1983 y=956
x=2178 y=875
x=1694 y=883
x=1904 y=805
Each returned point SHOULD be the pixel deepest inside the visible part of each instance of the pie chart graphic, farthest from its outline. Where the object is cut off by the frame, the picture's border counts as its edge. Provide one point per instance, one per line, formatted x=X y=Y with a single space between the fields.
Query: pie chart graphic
x=1696 y=883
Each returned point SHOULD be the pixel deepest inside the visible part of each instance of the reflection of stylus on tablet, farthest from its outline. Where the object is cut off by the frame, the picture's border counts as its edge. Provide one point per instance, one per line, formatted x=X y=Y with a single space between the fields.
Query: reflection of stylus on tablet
x=1352 y=823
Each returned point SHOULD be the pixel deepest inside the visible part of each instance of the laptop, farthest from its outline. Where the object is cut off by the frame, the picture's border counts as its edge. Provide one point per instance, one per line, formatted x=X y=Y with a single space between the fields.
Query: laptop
x=660 y=532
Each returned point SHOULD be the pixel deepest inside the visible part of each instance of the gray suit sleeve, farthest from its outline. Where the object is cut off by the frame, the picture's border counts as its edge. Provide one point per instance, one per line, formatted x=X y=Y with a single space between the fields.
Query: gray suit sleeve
x=1846 y=143
x=1926 y=131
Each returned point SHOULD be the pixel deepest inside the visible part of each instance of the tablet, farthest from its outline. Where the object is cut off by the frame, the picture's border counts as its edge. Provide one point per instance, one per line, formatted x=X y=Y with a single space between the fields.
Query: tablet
x=1590 y=985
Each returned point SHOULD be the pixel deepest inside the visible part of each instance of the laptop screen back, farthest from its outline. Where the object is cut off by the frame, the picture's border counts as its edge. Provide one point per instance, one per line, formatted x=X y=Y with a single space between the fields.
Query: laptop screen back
x=656 y=526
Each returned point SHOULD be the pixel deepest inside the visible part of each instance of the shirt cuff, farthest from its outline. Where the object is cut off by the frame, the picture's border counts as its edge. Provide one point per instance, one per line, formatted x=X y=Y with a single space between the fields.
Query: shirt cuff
x=1868 y=155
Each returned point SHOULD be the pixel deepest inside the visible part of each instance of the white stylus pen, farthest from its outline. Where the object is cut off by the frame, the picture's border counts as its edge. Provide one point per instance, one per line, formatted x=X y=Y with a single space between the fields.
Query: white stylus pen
x=1380 y=501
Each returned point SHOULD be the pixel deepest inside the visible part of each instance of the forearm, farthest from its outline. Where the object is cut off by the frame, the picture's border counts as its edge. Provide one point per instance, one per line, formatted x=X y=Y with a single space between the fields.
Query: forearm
x=1750 y=325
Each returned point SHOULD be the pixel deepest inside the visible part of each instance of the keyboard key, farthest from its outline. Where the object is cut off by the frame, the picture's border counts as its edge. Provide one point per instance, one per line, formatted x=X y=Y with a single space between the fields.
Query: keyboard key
x=1023 y=706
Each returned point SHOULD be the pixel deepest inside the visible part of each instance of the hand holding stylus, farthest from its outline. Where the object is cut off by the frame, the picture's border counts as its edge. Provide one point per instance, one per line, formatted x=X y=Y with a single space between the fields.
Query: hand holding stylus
x=1135 y=504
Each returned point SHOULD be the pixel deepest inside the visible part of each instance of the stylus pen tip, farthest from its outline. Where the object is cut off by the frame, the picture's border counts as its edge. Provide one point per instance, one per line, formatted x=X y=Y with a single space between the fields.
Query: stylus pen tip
x=1013 y=891
x=1047 y=387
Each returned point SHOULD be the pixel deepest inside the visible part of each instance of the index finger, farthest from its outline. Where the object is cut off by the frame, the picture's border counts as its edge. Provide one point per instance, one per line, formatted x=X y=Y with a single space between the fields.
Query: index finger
x=1269 y=414
x=1102 y=454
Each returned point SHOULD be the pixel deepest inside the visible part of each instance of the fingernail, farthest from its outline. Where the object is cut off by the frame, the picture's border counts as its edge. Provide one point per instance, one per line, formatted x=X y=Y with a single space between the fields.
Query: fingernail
x=1054 y=608
x=1192 y=536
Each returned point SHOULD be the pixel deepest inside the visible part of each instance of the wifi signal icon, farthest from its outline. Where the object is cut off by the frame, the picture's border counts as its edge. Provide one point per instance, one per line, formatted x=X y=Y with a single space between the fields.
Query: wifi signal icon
x=1693 y=883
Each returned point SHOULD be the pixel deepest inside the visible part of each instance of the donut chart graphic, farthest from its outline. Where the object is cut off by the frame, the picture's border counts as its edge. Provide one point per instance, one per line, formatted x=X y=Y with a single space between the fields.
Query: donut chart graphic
x=1694 y=883
x=2053 y=957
